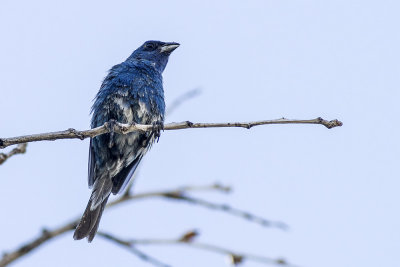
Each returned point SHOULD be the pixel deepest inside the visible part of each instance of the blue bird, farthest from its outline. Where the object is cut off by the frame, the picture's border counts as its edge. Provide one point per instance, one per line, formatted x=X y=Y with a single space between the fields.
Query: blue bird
x=132 y=92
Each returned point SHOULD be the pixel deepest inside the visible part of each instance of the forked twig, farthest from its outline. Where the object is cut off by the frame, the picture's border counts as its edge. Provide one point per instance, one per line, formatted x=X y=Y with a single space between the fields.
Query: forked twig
x=20 y=149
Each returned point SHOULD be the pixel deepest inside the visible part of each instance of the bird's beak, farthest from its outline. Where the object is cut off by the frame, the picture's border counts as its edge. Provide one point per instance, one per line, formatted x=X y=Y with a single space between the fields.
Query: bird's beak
x=169 y=47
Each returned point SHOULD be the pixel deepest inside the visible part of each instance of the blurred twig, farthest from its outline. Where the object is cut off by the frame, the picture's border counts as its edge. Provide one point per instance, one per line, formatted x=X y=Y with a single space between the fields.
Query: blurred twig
x=129 y=246
x=228 y=209
x=122 y=128
x=181 y=99
x=170 y=109
x=188 y=239
x=20 y=149
x=178 y=194
x=45 y=236
x=181 y=194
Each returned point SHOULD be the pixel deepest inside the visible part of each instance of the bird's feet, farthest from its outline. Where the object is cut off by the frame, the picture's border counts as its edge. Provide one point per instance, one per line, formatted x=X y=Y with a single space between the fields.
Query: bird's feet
x=157 y=127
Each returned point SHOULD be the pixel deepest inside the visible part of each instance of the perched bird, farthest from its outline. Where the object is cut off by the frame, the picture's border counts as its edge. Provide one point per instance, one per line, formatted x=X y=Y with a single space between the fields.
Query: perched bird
x=132 y=92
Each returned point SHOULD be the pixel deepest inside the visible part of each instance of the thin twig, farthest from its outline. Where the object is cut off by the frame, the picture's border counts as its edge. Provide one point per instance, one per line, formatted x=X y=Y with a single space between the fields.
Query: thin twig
x=236 y=257
x=127 y=245
x=47 y=235
x=181 y=195
x=181 y=99
x=20 y=149
x=122 y=128
x=168 y=193
x=230 y=210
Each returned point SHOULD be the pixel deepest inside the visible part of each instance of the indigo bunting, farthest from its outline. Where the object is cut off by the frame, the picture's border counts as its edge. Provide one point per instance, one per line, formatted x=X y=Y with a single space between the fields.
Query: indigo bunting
x=132 y=92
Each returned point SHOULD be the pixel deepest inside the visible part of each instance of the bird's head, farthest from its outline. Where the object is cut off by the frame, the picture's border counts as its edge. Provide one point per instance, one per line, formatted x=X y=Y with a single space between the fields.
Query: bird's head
x=155 y=52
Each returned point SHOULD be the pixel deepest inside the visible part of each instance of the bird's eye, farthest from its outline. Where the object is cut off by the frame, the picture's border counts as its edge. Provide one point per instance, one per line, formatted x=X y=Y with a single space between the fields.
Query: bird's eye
x=150 y=46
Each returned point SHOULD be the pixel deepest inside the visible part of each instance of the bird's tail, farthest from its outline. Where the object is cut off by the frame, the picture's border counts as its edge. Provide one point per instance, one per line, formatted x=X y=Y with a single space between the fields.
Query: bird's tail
x=90 y=220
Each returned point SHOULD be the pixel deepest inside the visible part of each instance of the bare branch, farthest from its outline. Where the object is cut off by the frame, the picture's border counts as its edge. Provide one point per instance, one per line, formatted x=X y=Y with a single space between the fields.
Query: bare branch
x=181 y=195
x=47 y=235
x=132 y=249
x=228 y=209
x=168 y=193
x=20 y=149
x=29 y=246
x=236 y=257
x=122 y=128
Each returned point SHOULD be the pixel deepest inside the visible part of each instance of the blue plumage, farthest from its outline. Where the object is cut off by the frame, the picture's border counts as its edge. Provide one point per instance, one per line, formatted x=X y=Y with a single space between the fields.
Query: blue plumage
x=132 y=92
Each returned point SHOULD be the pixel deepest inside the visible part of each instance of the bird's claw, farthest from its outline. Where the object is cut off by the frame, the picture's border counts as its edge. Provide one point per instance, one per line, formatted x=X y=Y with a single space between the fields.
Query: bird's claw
x=157 y=127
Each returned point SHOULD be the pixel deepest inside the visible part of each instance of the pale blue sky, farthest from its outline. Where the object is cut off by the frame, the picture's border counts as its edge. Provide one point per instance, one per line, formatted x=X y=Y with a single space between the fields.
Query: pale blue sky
x=337 y=189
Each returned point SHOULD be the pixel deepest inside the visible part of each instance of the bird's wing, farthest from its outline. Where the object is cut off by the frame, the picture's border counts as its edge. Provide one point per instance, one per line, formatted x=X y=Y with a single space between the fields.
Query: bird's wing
x=124 y=176
x=143 y=143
